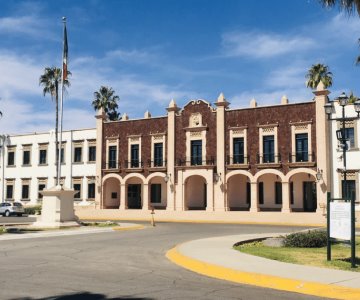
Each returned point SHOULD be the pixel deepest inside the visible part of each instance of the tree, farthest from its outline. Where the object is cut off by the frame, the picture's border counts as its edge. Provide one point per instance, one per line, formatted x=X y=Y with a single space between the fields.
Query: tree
x=106 y=99
x=50 y=81
x=349 y=6
x=317 y=73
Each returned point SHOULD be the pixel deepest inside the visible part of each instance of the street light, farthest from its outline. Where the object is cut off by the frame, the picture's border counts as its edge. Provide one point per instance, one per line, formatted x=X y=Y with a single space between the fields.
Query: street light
x=341 y=135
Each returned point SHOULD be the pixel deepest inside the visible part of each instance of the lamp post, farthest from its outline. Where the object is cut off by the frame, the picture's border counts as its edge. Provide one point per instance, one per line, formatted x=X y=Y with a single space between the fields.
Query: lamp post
x=342 y=138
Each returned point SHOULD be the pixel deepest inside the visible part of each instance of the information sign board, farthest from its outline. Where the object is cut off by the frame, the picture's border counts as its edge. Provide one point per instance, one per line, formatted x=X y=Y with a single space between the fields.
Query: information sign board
x=340 y=220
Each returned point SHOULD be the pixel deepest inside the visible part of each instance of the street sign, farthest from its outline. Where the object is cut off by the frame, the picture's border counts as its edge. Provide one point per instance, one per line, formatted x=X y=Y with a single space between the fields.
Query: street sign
x=340 y=220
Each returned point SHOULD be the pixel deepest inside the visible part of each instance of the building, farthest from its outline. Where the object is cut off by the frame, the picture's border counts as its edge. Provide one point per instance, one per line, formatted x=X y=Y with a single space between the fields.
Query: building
x=28 y=165
x=352 y=132
x=214 y=158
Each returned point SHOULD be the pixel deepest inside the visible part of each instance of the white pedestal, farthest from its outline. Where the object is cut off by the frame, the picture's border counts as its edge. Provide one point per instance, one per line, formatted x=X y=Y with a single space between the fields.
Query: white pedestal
x=57 y=208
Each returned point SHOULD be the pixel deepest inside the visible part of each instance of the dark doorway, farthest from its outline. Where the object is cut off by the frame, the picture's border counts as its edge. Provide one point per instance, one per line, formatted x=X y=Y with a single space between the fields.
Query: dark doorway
x=309 y=196
x=205 y=196
x=134 y=196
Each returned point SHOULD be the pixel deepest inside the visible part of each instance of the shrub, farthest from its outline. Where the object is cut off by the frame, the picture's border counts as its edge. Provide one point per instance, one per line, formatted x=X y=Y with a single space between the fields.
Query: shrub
x=310 y=239
x=33 y=210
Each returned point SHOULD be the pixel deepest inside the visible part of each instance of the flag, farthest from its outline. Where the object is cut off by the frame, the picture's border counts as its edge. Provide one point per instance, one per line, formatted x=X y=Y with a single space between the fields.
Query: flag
x=65 y=55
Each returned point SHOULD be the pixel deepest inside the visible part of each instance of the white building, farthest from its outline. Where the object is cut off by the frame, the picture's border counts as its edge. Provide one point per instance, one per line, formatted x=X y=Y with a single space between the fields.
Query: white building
x=352 y=132
x=28 y=165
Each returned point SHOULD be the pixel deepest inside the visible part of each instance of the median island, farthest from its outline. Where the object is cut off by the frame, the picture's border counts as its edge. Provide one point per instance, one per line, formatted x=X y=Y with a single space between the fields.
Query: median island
x=305 y=248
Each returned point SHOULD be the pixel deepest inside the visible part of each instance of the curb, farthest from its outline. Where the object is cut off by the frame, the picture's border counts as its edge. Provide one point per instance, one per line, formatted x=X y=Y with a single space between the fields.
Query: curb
x=135 y=227
x=261 y=280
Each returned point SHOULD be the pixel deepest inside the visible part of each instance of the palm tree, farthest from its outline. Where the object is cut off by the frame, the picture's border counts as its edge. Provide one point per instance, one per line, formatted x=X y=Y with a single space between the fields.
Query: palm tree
x=106 y=99
x=317 y=73
x=348 y=5
x=50 y=81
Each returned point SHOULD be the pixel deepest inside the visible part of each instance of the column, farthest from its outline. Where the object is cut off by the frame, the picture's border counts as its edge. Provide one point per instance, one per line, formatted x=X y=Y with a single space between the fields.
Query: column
x=254 y=207
x=145 y=195
x=285 y=198
x=219 y=190
x=123 y=197
x=322 y=144
x=99 y=141
x=172 y=109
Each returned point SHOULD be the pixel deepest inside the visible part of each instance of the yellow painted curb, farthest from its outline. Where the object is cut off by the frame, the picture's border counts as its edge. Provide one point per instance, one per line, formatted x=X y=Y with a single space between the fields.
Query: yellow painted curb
x=137 y=227
x=261 y=280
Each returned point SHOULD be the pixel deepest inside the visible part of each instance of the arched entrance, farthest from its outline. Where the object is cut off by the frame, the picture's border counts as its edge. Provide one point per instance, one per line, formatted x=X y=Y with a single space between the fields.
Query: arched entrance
x=238 y=192
x=157 y=192
x=303 y=192
x=269 y=192
x=111 y=193
x=134 y=187
x=195 y=193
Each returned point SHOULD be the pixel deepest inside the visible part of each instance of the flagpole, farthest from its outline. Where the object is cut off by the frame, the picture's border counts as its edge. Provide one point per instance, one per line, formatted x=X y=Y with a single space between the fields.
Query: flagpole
x=61 y=107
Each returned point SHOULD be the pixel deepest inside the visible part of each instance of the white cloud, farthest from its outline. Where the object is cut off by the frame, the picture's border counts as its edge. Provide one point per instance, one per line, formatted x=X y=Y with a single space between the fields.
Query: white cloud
x=24 y=25
x=263 y=45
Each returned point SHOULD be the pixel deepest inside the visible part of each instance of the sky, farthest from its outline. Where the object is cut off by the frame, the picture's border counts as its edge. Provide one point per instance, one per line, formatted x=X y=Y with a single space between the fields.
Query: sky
x=150 y=52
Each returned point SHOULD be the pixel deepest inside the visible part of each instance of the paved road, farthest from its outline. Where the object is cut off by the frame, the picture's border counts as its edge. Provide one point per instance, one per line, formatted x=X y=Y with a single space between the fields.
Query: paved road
x=17 y=220
x=119 y=265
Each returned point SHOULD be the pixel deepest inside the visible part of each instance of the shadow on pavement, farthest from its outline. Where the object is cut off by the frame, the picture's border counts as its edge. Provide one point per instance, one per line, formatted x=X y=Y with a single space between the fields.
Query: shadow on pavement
x=84 y=296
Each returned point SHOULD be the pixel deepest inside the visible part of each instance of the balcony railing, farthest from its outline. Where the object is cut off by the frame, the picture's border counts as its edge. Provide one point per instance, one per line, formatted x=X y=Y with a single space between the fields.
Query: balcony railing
x=301 y=156
x=268 y=158
x=237 y=160
x=196 y=161
x=157 y=163
x=134 y=164
x=112 y=164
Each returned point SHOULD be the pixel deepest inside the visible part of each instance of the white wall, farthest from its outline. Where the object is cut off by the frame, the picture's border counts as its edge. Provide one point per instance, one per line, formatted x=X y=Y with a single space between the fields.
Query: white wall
x=34 y=171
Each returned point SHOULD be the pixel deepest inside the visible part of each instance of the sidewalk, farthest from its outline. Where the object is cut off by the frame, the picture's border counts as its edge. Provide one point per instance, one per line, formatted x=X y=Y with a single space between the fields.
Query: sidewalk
x=215 y=257
x=67 y=232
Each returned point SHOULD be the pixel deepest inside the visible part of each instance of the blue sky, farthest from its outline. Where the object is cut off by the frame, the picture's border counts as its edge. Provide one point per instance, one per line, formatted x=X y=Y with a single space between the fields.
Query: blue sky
x=153 y=51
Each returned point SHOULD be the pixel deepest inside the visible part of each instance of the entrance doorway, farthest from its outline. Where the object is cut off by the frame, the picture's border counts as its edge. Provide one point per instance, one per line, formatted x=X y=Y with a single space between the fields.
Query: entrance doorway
x=134 y=196
x=309 y=196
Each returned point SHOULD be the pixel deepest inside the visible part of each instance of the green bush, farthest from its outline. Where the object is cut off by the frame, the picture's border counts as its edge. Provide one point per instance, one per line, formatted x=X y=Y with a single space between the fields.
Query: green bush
x=33 y=210
x=310 y=239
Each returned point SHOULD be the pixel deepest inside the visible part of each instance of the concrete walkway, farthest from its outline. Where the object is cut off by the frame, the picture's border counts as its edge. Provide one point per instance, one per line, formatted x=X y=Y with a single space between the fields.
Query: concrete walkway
x=215 y=257
x=66 y=232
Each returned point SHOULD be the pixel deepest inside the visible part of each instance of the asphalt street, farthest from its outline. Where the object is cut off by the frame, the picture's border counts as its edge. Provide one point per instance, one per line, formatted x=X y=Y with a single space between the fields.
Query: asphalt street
x=120 y=265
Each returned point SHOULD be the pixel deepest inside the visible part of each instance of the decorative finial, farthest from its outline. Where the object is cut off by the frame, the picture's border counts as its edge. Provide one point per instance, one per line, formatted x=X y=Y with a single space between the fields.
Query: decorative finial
x=64 y=19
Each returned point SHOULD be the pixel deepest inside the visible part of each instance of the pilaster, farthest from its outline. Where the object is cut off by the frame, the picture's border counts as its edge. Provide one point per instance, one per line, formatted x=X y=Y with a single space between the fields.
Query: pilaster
x=100 y=117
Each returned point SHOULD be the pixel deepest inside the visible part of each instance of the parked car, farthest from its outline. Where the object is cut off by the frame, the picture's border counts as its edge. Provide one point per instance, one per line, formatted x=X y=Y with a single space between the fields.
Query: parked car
x=15 y=208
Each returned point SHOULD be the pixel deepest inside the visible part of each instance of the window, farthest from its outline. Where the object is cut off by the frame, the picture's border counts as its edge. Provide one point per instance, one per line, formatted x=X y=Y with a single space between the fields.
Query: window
x=61 y=155
x=349 y=135
x=268 y=149
x=156 y=193
x=42 y=157
x=349 y=190
x=78 y=154
x=112 y=162
x=196 y=152
x=261 y=193
x=77 y=188
x=91 y=191
x=134 y=156
x=301 y=147
x=92 y=153
x=238 y=150
x=278 y=193
x=25 y=191
x=41 y=186
x=9 y=191
x=26 y=157
x=158 y=154
x=11 y=158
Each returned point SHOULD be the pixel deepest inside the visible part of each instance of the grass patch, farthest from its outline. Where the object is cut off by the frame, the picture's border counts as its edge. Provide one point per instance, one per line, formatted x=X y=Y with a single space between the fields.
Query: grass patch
x=100 y=224
x=305 y=256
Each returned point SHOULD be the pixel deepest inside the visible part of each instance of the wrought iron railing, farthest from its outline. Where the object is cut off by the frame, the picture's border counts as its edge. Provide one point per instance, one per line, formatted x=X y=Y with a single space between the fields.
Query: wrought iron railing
x=196 y=161
x=268 y=158
x=237 y=160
